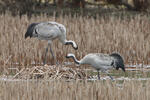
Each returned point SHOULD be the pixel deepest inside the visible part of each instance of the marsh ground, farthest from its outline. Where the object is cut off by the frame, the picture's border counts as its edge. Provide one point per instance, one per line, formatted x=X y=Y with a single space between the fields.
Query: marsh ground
x=127 y=35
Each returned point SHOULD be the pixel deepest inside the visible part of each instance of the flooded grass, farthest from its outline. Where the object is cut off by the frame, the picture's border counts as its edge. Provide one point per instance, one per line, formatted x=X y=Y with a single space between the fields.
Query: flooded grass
x=129 y=37
x=119 y=73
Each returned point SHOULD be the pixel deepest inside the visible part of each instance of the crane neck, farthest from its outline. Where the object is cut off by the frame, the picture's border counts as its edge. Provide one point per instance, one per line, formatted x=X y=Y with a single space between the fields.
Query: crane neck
x=70 y=42
x=74 y=58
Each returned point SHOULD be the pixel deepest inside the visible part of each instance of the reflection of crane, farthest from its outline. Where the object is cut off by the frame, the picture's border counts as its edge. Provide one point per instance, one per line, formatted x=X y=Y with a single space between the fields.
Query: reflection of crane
x=101 y=61
x=49 y=31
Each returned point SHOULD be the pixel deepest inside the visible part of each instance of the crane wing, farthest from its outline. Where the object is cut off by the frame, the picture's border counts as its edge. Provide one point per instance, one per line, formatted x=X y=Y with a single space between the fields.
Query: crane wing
x=47 y=30
x=104 y=59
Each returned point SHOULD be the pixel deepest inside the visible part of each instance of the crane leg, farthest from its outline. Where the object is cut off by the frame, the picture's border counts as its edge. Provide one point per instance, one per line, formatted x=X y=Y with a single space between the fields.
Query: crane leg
x=44 y=62
x=54 y=57
x=110 y=76
x=98 y=75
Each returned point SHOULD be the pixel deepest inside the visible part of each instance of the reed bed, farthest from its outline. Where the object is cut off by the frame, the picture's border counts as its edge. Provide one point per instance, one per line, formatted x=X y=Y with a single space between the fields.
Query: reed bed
x=75 y=90
x=128 y=36
x=50 y=72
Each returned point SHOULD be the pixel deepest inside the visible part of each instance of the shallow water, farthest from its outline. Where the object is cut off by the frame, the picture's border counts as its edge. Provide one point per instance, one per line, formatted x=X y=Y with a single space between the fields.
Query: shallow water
x=133 y=72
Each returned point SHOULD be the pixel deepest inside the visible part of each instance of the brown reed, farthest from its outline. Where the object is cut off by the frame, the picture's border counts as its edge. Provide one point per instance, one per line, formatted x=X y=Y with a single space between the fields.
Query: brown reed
x=128 y=36
x=74 y=90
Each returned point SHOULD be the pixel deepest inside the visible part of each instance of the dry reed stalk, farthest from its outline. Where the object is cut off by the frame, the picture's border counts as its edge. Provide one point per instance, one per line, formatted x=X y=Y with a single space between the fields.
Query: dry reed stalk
x=50 y=72
x=78 y=90
x=129 y=37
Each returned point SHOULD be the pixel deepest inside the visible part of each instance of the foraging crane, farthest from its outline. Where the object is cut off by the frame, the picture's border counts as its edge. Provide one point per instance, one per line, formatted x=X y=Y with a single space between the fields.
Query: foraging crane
x=101 y=61
x=49 y=31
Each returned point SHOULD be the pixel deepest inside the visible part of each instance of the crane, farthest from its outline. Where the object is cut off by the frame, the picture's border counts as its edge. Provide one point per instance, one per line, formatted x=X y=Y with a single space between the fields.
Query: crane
x=49 y=31
x=101 y=62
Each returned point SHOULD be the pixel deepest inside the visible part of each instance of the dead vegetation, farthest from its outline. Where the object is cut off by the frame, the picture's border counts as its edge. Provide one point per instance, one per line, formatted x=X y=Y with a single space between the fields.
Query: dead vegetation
x=50 y=72
x=81 y=90
x=128 y=36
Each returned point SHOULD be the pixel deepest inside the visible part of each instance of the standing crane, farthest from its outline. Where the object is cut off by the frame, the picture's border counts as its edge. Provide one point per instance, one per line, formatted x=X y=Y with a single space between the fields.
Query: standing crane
x=101 y=62
x=49 y=31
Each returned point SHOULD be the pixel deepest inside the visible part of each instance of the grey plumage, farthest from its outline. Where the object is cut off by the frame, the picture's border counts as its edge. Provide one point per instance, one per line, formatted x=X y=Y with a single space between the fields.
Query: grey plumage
x=101 y=61
x=49 y=31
